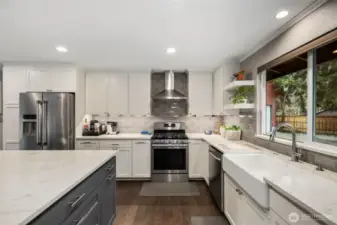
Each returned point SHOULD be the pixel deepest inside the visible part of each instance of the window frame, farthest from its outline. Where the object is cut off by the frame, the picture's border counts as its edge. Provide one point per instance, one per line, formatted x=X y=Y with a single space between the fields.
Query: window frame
x=309 y=143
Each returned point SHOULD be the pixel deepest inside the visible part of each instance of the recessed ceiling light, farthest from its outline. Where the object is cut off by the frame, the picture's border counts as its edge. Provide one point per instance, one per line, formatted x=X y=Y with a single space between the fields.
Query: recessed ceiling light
x=282 y=14
x=335 y=51
x=170 y=51
x=61 y=49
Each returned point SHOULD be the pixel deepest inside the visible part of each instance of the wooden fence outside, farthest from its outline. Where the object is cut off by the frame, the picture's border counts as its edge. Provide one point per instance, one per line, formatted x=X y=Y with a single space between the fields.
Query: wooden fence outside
x=324 y=124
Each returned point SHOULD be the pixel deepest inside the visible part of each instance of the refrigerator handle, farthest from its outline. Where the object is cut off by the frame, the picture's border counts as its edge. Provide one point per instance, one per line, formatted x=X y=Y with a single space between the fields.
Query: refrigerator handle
x=38 y=123
x=44 y=126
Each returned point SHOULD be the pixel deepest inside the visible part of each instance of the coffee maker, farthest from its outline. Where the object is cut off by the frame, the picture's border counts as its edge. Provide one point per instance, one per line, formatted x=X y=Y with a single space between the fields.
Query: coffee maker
x=112 y=127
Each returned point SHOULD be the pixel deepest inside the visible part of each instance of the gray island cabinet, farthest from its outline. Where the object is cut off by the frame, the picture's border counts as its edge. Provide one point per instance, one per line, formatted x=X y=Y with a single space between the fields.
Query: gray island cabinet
x=92 y=202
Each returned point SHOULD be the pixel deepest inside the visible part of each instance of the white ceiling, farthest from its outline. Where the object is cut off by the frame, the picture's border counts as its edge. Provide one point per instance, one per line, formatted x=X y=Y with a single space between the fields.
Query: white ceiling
x=134 y=34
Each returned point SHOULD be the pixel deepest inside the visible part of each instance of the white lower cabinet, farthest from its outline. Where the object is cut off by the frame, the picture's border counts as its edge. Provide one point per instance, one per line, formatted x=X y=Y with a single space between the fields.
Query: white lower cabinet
x=87 y=145
x=141 y=159
x=197 y=159
x=287 y=211
x=123 y=164
x=239 y=208
x=11 y=127
x=276 y=219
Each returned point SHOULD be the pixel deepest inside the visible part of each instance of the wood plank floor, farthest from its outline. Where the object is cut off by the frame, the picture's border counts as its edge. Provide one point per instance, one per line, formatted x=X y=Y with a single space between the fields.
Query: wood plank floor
x=133 y=209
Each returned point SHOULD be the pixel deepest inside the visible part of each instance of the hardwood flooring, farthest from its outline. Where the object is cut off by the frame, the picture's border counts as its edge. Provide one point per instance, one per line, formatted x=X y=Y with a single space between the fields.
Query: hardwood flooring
x=133 y=209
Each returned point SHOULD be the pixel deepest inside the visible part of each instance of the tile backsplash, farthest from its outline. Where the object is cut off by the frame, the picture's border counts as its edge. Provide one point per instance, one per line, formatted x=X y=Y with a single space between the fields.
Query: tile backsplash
x=134 y=124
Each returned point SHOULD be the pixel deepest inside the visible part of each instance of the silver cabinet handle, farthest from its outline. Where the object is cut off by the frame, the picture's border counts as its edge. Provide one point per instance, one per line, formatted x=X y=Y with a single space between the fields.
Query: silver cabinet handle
x=211 y=154
x=83 y=219
x=110 y=177
x=44 y=116
x=78 y=199
x=38 y=123
x=238 y=191
x=110 y=168
x=140 y=142
x=87 y=142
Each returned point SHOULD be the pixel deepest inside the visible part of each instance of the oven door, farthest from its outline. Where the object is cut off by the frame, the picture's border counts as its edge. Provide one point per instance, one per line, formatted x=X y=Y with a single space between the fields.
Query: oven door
x=172 y=159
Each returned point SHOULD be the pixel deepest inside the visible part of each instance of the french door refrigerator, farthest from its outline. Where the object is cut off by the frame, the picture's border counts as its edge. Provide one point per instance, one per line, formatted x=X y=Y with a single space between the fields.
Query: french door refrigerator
x=47 y=121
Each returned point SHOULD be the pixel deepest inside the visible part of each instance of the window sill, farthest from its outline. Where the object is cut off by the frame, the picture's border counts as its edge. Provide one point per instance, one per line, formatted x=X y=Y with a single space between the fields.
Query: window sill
x=313 y=147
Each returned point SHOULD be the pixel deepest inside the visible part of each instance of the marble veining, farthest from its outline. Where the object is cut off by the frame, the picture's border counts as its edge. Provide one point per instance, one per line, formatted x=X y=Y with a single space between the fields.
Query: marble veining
x=31 y=181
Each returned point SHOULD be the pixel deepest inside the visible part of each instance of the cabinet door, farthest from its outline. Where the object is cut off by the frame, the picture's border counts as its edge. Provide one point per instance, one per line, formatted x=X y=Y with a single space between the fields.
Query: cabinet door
x=96 y=93
x=15 y=80
x=11 y=133
x=200 y=94
x=139 y=93
x=123 y=163
x=64 y=80
x=218 y=92
x=250 y=213
x=141 y=159
x=232 y=203
x=40 y=79
x=195 y=166
x=108 y=198
x=276 y=219
x=118 y=93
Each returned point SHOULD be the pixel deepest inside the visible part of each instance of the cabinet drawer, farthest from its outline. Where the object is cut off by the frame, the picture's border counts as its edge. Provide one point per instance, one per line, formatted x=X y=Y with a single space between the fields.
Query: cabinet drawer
x=285 y=209
x=89 y=213
x=276 y=219
x=115 y=143
x=196 y=142
x=76 y=198
x=87 y=145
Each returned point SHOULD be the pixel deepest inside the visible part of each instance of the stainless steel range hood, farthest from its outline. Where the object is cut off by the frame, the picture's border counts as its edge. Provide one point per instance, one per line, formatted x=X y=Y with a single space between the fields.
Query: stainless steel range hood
x=169 y=92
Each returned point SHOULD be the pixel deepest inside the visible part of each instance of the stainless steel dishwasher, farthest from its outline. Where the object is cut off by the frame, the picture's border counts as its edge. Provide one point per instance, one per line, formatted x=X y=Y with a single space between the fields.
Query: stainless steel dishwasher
x=216 y=177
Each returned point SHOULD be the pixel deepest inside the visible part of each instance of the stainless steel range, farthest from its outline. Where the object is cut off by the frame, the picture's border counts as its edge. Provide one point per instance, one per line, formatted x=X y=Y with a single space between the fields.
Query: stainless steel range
x=169 y=155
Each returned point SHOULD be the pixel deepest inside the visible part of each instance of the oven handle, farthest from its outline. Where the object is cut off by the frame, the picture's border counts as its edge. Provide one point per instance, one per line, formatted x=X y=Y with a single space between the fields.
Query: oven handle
x=211 y=154
x=168 y=147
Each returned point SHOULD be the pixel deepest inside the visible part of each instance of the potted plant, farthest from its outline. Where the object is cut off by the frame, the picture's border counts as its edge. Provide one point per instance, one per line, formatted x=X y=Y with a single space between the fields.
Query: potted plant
x=241 y=95
x=232 y=133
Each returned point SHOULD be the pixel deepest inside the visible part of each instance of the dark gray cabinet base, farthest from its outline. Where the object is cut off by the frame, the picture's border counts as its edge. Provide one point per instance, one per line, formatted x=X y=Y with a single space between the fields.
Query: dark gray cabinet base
x=92 y=202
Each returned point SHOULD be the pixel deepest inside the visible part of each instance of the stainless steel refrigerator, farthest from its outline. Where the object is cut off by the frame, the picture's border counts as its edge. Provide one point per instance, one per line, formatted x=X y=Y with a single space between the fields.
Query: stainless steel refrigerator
x=47 y=121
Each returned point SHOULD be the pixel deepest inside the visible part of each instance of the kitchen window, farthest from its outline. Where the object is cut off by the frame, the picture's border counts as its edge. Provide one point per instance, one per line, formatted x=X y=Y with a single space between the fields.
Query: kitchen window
x=325 y=89
x=301 y=90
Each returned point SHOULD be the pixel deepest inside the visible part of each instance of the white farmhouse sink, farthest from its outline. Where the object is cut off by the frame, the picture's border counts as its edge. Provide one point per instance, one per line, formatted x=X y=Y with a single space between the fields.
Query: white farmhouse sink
x=248 y=170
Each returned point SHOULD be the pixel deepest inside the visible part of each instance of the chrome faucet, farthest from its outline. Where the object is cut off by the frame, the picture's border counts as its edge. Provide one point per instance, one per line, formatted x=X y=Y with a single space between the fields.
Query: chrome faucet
x=295 y=156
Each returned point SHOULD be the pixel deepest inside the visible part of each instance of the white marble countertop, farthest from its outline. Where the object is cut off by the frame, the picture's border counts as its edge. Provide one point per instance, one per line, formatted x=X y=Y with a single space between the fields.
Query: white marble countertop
x=31 y=181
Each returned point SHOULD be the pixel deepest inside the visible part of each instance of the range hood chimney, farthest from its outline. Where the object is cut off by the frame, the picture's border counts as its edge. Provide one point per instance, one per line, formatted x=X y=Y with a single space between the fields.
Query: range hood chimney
x=169 y=92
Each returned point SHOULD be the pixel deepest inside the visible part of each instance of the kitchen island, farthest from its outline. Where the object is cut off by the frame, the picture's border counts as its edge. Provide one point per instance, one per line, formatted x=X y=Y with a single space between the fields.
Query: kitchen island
x=57 y=187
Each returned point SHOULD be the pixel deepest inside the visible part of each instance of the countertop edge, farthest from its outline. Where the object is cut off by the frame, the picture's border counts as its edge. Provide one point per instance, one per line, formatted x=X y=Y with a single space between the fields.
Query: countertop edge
x=58 y=197
x=298 y=202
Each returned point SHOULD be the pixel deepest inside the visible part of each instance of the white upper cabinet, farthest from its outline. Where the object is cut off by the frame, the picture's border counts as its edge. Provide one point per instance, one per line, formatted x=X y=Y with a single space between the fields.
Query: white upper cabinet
x=64 y=80
x=200 y=93
x=221 y=78
x=118 y=93
x=52 y=79
x=15 y=80
x=139 y=93
x=40 y=79
x=96 y=93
